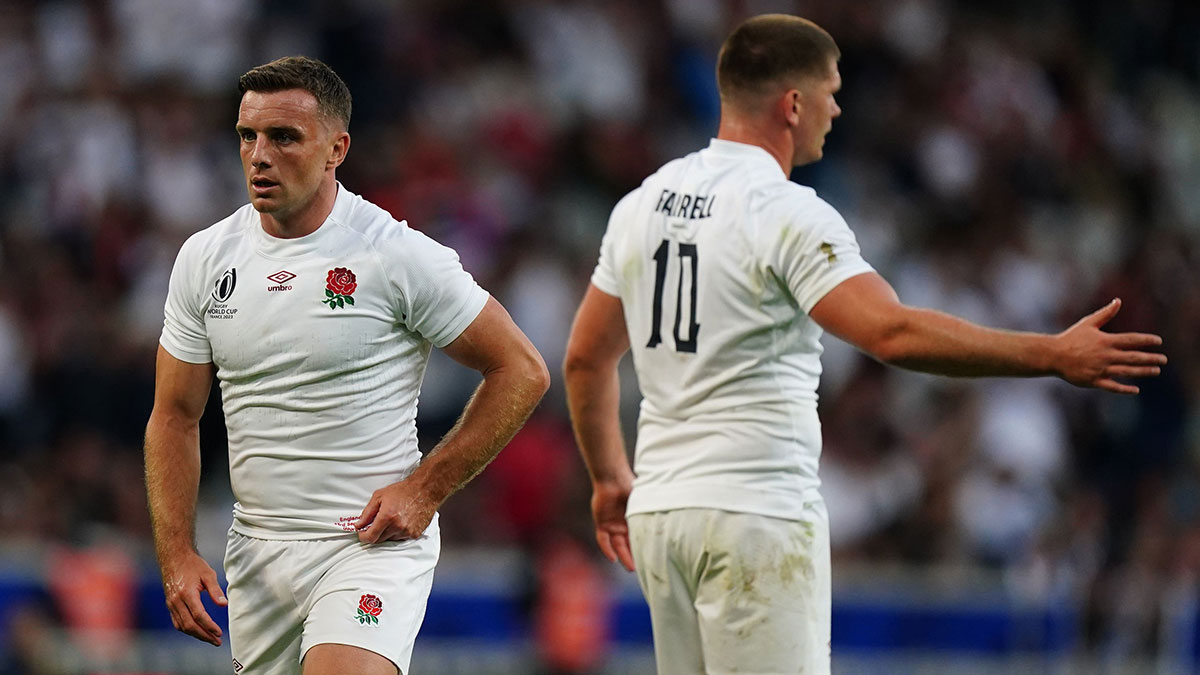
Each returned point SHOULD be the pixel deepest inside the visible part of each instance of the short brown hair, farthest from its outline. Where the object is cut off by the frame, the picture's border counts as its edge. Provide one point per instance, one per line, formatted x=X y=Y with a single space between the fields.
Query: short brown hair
x=767 y=49
x=301 y=72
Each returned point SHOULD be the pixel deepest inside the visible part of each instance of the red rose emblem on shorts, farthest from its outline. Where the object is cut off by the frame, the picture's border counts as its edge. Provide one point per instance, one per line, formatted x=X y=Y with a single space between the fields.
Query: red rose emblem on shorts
x=369 y=607
x=340 y=284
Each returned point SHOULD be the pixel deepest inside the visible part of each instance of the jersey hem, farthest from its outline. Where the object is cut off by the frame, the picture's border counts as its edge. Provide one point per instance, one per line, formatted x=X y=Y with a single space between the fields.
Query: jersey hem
x=773 y=503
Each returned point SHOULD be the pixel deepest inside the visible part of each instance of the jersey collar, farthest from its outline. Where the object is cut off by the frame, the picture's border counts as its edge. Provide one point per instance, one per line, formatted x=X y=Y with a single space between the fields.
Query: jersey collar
x=742 y=151
x=275 y=247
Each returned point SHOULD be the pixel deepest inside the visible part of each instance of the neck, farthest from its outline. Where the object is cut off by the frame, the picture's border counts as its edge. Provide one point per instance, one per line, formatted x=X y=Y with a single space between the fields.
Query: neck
x=742 y=128
x=306 y=219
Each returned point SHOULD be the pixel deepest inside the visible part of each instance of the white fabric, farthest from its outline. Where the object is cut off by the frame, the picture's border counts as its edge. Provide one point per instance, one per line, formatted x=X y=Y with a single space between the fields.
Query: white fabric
x=320 y=402
x=736 y=592
x=732 y=425
x=287 y=596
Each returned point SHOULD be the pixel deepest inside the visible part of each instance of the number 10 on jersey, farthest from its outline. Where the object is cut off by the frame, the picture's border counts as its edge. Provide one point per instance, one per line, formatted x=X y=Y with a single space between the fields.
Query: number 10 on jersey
x=688 y=260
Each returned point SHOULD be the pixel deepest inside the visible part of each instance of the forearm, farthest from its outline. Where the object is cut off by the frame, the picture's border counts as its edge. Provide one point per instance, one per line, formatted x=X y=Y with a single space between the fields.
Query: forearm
x=493 y=415
x=593 y=399
x=172 y=454
x=934 y=342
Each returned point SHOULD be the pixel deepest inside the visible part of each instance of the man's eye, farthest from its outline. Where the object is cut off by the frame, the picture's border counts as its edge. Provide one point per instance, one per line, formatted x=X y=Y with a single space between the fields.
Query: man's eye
x=247 y=136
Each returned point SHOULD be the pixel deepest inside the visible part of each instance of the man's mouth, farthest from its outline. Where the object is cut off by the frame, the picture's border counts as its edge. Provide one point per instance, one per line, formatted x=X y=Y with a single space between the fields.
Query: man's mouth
x=263 y=183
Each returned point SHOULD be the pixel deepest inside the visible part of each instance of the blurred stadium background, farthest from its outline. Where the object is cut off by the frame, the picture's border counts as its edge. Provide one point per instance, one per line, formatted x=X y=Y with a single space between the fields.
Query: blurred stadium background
x=1017 y=163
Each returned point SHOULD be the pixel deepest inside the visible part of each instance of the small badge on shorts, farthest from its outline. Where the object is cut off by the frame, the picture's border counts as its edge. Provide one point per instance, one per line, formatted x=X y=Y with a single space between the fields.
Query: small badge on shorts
x=369 y=609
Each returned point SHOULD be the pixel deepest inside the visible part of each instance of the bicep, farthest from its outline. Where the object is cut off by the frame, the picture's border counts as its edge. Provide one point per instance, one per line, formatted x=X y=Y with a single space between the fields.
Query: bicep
x=180 y=388
x=492 y=341
x=863 y=310
x=598 y=336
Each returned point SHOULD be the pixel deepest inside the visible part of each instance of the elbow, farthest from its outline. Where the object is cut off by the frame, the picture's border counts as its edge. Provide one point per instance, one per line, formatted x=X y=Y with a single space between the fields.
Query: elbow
x=534 y=374
x=539 y=376
x=578 y=365
x=889 y=345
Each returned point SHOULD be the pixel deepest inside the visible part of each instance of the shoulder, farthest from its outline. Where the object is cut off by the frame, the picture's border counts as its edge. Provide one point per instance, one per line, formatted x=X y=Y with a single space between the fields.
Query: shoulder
x=401 y=250
x=368 y=220
x=375 y=228
x=792 y=204
x=651 y=186
x=208 y=243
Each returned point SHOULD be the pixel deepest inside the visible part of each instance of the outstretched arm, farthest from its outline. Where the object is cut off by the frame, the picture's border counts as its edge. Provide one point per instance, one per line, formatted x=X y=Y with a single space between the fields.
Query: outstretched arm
x=172 y=480
x=598 y=341
x=514 y=380
x=865 y=311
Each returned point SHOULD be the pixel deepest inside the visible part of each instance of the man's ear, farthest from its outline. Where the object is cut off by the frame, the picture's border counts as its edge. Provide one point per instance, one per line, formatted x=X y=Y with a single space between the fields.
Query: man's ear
x=790 y=104
x=337 y=153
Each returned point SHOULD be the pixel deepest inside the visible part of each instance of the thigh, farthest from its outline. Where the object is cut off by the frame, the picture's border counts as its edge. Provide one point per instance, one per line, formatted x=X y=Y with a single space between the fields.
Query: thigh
x=373 y=597
x=763 y=598
x=265 y=621
x=669 y=589
x=334 y=659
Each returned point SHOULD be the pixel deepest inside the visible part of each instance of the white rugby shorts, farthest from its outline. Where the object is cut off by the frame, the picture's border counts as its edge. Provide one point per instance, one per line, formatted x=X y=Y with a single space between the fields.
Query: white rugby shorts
x=287 y=596
x=735 y=592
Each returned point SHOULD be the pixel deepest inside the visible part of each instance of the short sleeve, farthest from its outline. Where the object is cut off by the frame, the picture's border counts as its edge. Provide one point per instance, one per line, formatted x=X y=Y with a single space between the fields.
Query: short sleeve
x=438 y=298
x=184 y=335
x=604 y=277
x=816 y=251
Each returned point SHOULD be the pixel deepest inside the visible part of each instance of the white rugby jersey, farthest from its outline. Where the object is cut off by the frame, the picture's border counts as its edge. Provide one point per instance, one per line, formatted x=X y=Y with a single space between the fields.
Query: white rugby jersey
x=717 y=259
x=320 y=344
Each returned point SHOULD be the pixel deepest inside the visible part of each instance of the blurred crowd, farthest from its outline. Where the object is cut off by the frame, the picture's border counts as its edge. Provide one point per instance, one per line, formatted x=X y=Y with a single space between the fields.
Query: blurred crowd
x=1017 y=164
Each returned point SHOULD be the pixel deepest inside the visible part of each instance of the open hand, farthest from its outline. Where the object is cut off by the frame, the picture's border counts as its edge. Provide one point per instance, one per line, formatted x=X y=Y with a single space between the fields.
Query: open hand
x=612 y=531
x=1094 y=358
x=183 y=580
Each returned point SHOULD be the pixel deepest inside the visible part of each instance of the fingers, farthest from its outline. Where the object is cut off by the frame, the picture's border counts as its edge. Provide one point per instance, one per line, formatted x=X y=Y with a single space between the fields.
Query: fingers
x=368 y=514
x=1132 y=371
x=602 y=538
x=615 y=547
x=1126 y=358
x=1105 y=314
x=373 y=533
x=206 y=628
x=620 y=543
x=1112 y=385
x=213 y=588
x=189 y=616
x=395 y=524
x=1135 y=340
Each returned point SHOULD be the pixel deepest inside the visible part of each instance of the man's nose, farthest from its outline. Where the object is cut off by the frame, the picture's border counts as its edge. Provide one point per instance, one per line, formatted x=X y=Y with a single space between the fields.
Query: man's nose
x=259 y=156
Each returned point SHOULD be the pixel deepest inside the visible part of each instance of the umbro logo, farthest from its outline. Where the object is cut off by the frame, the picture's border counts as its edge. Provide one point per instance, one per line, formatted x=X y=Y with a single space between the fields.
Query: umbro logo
x=280 y=278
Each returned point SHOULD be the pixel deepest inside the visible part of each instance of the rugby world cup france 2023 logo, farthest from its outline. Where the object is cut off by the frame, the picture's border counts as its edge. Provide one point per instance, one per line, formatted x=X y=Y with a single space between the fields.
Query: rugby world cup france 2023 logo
x=222 y=290
x=224 y=286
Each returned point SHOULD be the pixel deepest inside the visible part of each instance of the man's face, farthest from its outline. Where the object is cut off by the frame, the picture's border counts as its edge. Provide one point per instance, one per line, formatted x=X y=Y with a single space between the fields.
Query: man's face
x=287 y=145
x=817 y=110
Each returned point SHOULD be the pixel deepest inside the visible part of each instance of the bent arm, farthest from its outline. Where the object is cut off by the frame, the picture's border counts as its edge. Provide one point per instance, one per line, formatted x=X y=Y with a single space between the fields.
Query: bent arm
x=597 y=343
x=514 y=380
x=865 y=311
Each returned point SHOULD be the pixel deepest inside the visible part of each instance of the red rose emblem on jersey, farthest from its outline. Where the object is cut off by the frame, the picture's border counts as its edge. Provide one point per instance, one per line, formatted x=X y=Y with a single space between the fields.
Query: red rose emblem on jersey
x=369 y=607
x=340 y=284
